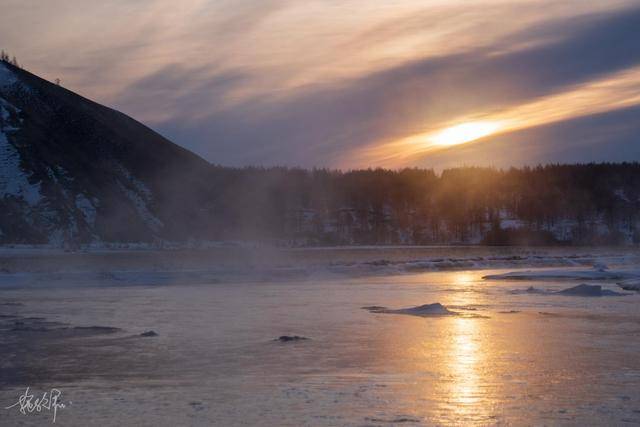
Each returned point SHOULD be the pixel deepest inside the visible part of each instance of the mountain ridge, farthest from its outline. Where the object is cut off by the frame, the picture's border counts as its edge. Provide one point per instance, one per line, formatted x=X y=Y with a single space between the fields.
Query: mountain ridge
x=93 y=173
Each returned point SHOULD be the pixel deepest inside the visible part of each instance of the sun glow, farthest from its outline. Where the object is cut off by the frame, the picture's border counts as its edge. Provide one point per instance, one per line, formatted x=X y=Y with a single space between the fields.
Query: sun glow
x=613 y=92
x=464 y=132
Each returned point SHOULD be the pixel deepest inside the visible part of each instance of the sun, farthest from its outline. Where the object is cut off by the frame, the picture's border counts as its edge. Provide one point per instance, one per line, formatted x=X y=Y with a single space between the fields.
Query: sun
x=464 y=132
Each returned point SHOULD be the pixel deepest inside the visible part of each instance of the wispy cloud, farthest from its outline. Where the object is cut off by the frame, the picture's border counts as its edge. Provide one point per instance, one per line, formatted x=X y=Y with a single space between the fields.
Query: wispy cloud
x=335 y=83
x=615 y=92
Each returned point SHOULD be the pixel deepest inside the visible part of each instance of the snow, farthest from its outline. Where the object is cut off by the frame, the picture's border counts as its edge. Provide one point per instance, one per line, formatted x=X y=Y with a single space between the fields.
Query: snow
x=565 y=275
x=139 y=194
x=582 y=290
x=7 y=78
x=529 y=291
x=585 y=290
x=345 y=222
x=5 y=111
x=630 y=285
x=138 y=185
x=435 y=309
x=600 y=266
x=87 y=208
x=141 y=207
x=13 y=181
x=510 y=223
x=621 y=195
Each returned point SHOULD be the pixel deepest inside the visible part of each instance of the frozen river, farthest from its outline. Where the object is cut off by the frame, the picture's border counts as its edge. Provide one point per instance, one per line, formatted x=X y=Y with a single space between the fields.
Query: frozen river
x=507 y=353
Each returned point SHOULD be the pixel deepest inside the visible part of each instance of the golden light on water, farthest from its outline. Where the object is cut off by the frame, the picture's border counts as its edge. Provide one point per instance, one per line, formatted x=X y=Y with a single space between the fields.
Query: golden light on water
x=464 y=132
x=465 y=353
x=464 y=279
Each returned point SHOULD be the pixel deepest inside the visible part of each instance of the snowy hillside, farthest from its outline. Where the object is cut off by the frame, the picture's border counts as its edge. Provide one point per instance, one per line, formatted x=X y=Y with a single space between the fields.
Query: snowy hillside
x=73 y=171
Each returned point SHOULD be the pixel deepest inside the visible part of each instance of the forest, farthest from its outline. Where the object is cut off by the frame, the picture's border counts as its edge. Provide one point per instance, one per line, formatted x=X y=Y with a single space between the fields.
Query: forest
x=544 y=205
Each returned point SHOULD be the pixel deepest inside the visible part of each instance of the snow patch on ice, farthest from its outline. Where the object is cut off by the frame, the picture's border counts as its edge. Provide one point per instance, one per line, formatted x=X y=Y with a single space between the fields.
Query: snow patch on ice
x=435 y=309
x=565 y=275
x=585 y=290
x=600 y=266
x=582 y=290
x=528 y=291
x=630 y=285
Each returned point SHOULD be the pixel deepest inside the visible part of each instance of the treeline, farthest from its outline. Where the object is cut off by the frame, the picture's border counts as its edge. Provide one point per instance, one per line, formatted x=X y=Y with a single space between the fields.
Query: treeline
x=554 y=204
x=5 y=57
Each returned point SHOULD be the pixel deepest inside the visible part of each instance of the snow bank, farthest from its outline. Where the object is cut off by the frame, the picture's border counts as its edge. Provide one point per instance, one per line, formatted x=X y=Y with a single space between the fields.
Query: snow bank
x=630 y=285
x=530 y=290
x=426 y=310
x=565 y=275
x=585 y=290
x=582 y=290
x=600 y=266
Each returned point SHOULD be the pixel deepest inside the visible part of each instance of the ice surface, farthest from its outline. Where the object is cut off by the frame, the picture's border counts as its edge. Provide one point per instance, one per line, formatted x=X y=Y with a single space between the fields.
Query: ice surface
x=214 y=361
x=177 y=263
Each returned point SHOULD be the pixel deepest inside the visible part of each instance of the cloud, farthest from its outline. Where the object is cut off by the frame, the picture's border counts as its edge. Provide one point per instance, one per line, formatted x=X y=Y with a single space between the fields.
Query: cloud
x=321 y=124
x=313 y=83
x=610 y=136
x=613 y=92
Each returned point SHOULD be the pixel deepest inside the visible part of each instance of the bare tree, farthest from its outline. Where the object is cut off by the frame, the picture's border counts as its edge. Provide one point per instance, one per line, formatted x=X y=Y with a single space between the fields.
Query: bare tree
x=4 y=57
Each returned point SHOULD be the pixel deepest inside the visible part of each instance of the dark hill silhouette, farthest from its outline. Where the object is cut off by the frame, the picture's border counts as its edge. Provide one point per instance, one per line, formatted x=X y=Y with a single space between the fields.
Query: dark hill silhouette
x=85 y=157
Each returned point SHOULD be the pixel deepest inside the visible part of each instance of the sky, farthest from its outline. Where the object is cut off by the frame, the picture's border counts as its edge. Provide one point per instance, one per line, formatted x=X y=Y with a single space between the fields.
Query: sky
x=352 y=83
